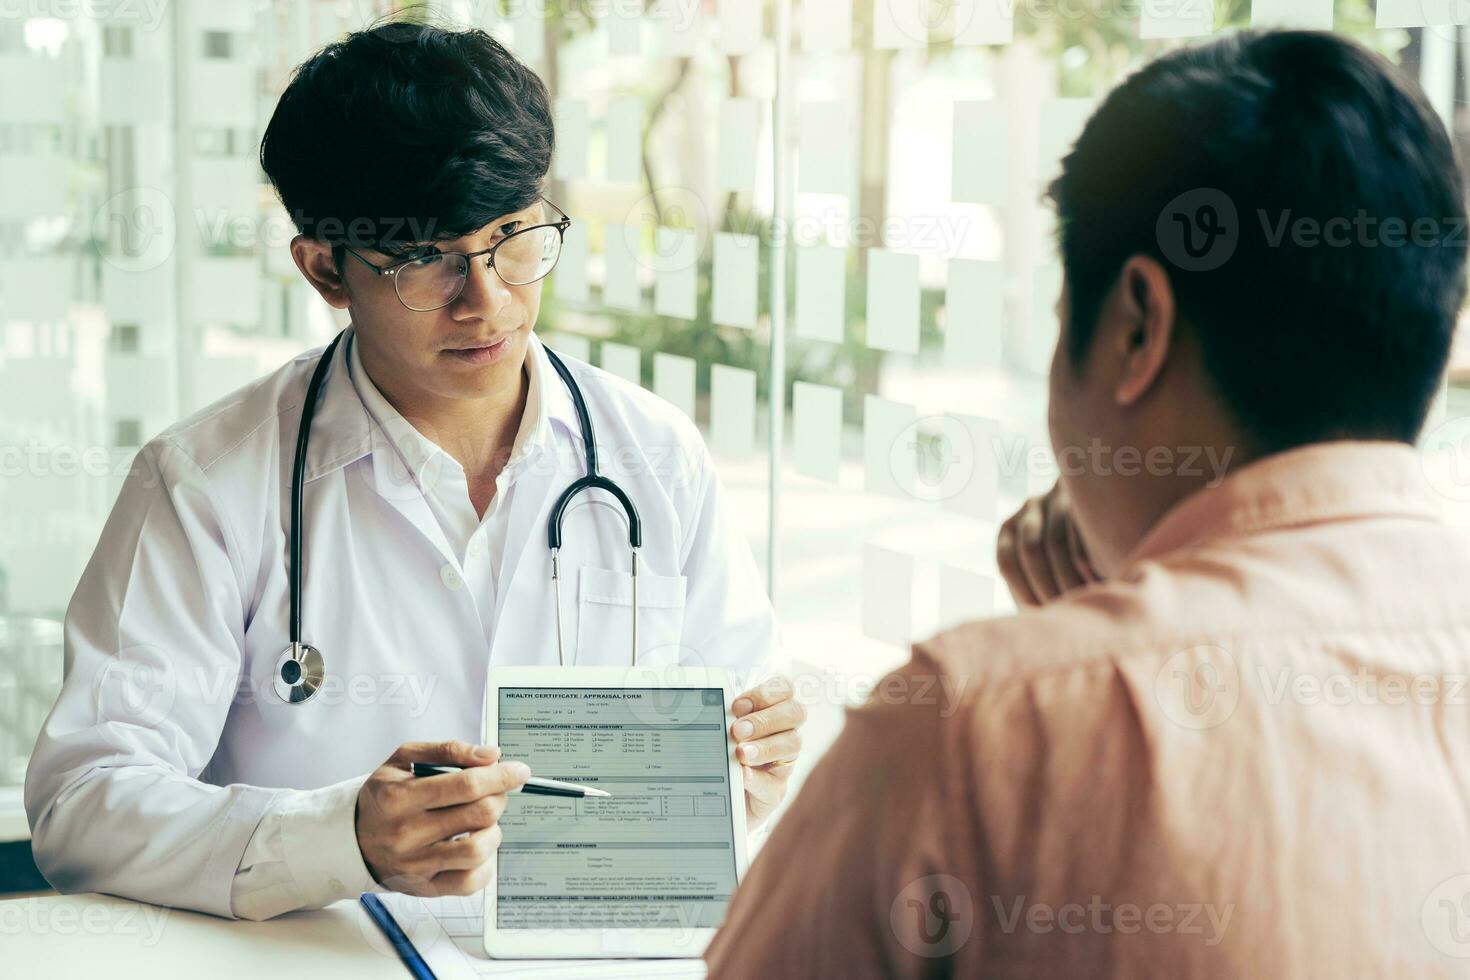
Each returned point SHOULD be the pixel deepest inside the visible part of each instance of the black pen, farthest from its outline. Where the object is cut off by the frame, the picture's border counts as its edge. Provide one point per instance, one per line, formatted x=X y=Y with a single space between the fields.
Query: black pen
x=535 y=786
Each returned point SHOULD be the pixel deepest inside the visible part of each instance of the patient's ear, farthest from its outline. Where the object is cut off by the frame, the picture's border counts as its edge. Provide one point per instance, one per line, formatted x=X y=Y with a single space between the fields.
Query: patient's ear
x=315 y=260
x=1145 y=314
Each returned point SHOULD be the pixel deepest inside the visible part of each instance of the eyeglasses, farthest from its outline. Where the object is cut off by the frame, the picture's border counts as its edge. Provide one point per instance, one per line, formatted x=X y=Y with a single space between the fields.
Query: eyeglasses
x=432 y=281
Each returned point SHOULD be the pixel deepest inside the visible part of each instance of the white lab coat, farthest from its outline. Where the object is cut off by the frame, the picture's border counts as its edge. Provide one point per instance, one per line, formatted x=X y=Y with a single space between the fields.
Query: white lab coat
x=167 y=742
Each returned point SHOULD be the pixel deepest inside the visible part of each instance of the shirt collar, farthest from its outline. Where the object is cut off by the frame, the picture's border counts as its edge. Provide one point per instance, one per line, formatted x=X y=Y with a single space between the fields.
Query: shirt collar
x=1321 y=482
x=413 y=453
x=343 y=431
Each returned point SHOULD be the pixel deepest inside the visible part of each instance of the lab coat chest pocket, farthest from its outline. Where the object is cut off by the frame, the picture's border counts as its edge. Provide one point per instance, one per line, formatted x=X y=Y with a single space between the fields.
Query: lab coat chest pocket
x=605 y=617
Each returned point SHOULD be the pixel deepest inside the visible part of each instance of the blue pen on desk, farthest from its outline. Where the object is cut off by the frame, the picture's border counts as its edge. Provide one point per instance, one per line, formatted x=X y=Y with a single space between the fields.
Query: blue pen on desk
x=401 y=943
x=535 y=786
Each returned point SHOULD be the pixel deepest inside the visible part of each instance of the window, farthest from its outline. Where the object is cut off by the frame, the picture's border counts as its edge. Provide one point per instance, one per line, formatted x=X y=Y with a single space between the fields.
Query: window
x=900 y=212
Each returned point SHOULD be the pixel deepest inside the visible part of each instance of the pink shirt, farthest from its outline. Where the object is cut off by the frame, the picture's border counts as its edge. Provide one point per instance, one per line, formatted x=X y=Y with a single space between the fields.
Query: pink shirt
x=1246 y=755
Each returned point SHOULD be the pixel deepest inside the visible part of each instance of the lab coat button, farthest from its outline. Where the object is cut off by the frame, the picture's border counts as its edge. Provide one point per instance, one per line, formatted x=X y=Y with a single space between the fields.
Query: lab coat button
x=450 y=577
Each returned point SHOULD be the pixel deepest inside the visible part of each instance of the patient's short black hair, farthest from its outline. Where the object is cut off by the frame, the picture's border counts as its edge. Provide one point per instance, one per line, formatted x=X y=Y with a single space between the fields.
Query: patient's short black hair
x=1331 y=312
x=404 y=133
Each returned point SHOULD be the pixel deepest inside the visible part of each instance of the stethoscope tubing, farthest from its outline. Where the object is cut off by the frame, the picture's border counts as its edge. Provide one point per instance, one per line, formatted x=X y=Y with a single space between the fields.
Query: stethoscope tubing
x=300 y=670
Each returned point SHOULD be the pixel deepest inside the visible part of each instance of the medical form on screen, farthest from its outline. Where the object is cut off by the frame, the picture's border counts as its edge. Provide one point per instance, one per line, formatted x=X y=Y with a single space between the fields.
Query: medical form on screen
x=660 y=852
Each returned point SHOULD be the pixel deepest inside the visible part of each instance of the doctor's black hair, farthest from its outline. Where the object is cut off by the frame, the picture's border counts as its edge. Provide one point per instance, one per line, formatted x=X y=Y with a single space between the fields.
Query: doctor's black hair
x=1307 y=337
x=404 y=133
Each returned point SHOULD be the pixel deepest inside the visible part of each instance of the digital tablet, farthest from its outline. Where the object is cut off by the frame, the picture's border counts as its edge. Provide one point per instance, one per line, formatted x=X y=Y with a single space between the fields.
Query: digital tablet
x=644 y=872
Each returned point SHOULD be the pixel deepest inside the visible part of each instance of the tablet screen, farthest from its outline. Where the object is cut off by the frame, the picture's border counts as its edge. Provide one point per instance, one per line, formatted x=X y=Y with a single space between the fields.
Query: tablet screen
x=658 y=853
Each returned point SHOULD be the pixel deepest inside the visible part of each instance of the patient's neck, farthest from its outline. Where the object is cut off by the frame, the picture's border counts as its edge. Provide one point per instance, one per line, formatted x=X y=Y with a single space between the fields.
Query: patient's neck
x=1124 y=504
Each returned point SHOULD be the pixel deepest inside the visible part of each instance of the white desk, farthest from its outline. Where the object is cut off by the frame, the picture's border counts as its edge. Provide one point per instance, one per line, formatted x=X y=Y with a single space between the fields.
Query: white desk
x=113 y=938
x=106 y=937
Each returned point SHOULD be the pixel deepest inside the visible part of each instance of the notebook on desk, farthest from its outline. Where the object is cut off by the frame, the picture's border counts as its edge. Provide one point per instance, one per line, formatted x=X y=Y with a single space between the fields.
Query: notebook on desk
x=449 y=934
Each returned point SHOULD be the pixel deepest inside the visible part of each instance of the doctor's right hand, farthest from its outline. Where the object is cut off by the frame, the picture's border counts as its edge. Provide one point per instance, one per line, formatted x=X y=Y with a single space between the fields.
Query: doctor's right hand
x=405 y=823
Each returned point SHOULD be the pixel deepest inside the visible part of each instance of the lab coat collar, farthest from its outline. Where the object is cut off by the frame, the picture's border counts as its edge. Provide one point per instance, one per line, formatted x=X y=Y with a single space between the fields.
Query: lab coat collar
x=341 y=431
x=556 y=400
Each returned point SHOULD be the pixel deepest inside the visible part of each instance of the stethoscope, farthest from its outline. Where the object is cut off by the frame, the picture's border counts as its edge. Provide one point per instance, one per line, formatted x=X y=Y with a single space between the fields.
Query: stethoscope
x=301 y=669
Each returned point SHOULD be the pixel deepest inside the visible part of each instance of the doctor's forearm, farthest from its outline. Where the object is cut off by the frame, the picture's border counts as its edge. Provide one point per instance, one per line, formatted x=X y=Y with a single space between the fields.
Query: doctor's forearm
x=143 y=833
x=304 y=854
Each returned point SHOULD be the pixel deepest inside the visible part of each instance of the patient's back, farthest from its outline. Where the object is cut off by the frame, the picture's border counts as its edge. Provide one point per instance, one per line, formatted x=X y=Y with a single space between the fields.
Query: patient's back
x=1249 y=758
x=1245 y=755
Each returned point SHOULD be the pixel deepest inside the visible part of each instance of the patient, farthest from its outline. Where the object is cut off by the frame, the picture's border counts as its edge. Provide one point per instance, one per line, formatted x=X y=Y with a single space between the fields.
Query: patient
x=1227 y=736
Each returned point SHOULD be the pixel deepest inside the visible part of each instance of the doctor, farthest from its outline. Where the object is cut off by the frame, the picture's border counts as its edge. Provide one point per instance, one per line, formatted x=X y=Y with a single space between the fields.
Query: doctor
x=170 y=769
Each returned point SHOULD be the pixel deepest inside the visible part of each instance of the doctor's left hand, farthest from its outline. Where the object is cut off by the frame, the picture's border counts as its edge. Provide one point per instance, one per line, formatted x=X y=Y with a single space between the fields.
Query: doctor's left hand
x=768 y=741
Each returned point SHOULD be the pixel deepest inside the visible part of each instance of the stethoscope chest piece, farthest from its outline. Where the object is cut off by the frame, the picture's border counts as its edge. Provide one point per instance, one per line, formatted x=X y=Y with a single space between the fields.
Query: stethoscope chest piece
x=299 y=673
